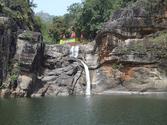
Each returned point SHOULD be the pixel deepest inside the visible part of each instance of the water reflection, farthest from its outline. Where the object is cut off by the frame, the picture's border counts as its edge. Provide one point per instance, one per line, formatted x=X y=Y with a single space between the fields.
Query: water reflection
x=93 y=110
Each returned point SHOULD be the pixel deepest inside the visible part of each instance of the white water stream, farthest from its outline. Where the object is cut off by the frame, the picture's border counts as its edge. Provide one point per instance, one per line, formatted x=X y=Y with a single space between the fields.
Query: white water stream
x=74 y=51
x=88 y=85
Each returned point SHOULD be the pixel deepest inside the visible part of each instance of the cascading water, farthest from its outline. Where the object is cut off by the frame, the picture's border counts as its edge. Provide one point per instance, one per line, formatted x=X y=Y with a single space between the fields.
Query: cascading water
x=88 y=86
x=74 y=53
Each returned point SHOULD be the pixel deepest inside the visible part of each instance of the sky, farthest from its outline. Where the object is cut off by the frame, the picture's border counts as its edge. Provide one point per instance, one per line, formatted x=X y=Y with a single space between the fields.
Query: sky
x=54 y=7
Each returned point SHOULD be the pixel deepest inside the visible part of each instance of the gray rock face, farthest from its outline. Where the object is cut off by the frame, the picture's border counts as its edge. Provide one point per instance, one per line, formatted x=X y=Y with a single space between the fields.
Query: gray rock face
x=62 y=74
x=139 y=19
x=30 y=51
x=7 y=46
x=29 y=57
x=133 y=22
x=21 y=61
x=21 y=51
x=145 y=79
x=127 y=67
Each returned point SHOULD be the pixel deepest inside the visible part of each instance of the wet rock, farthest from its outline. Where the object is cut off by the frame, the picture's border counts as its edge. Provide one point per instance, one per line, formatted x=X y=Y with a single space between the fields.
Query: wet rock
x=5 y=93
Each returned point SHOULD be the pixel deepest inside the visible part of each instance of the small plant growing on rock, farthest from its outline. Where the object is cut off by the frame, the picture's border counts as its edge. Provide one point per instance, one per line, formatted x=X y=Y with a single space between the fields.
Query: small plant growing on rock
x=14 y=75
x=117 y=66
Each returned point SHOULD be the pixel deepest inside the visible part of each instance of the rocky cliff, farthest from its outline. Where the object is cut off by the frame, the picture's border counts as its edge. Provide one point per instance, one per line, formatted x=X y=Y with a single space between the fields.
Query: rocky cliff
x=21 y=49
x=7 y=45
x=132 y=47
x=129 y=54
x=61 y=73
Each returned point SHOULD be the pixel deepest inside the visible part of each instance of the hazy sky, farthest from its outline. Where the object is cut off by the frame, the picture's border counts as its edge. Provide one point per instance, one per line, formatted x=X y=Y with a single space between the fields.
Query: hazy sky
x=53 y=7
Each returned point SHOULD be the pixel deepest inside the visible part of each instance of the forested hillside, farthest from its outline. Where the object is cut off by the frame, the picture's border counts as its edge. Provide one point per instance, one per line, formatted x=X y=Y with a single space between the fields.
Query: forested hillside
x=84 y=18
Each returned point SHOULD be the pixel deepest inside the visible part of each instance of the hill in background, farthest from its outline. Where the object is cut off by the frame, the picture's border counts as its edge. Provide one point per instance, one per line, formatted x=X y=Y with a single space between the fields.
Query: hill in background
x=46 y=17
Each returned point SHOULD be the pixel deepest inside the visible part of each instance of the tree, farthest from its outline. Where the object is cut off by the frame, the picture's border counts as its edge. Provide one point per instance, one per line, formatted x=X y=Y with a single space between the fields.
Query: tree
x=44 y=26
x=71 y=19
x=86 y=18
x=57 y=28
x=64 y=25
x=21 y=12
x=94 y=14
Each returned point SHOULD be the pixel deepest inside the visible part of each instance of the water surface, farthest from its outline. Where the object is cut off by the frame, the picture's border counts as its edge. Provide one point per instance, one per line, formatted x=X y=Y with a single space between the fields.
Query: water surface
x=95 y=110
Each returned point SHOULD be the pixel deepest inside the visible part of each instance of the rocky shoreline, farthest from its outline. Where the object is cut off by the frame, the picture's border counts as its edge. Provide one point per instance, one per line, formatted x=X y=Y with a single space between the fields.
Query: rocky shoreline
x=110 y=92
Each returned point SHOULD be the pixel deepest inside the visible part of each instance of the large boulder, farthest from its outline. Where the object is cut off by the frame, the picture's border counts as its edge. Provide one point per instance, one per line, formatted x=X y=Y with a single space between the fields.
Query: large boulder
x=24 y=84
x=30 y=51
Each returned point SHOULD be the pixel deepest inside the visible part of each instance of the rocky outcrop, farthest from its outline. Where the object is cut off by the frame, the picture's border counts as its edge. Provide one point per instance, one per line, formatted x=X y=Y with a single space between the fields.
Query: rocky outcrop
x=21 y=49
x=62 y=74
x=25 y=64
x=30 y=50
x=29 y=56
x=7 y=45
x=133 y=22
x=137 y=19
x=132 y=49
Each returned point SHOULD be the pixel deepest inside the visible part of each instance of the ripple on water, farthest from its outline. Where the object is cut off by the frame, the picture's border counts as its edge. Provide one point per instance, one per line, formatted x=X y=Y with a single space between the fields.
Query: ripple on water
x=78 y=110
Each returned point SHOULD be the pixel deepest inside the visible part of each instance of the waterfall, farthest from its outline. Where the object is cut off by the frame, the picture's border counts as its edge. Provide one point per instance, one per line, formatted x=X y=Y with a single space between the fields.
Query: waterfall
x=88 y=86
x=74 y=53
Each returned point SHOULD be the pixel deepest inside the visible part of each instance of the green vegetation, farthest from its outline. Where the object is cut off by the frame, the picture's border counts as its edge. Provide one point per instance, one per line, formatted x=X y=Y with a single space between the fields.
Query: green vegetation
x=57 y=29
x=44 y=26
x=135 y=48
x=161 y=38
x=84 y=18
x=30 y=36
x=159 y=45
x=117 y=66
x=156 y=45
x=14 y=74
x=21 y=12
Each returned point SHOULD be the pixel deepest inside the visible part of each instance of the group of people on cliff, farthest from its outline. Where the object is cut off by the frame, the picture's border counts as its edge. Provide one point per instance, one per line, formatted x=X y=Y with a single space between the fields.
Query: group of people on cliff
x=71 y=39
